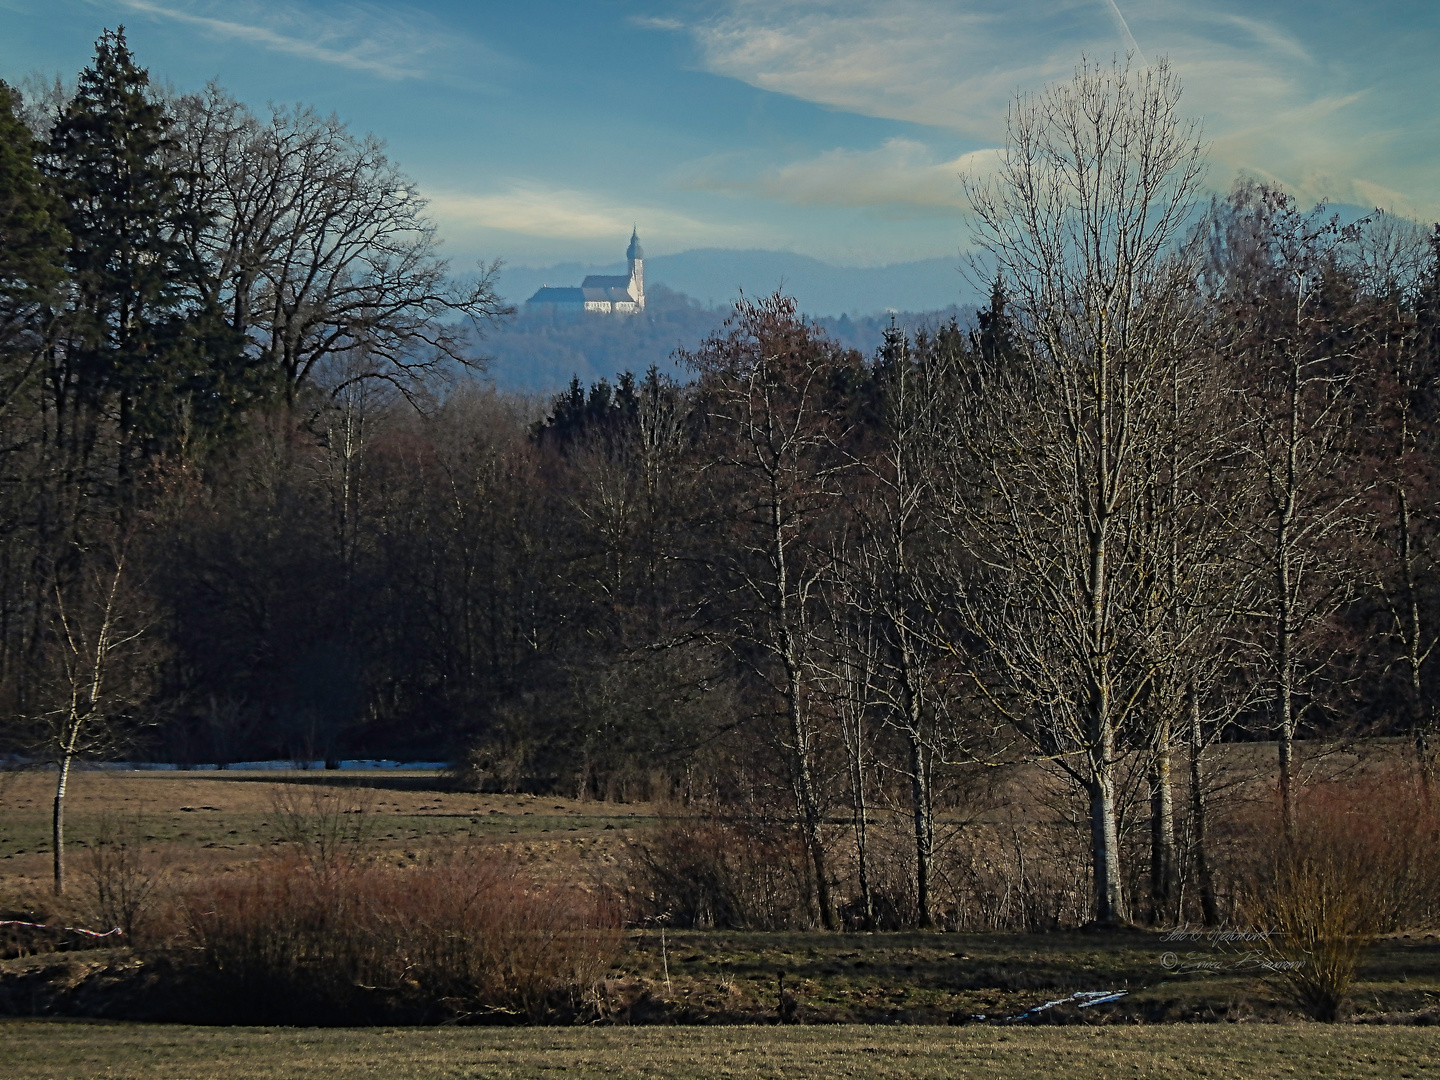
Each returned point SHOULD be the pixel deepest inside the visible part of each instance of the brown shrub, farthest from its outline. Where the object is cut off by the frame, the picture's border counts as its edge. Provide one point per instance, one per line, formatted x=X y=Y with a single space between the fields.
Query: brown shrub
x=704 y=871
x=124 y=885
x=1361 y=860
x=325 y=826
x=1036 y=878
x=461 y=938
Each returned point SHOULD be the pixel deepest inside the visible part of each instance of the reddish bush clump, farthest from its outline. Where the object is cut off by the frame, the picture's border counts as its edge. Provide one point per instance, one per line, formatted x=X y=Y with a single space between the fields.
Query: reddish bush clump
x=1361 y=859
x=460 y=938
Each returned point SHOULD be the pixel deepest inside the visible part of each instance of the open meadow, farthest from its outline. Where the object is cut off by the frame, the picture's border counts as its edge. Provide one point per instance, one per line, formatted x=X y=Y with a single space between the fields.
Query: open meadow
x=38 y=1050
x=196 y=823
x=200 y=828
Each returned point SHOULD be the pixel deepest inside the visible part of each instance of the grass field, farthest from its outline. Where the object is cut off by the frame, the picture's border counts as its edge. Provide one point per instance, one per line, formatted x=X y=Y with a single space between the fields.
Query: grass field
x=202 y=822
x=940 y=978
x=199 y=822
x=52 y=1049
x=207 y=823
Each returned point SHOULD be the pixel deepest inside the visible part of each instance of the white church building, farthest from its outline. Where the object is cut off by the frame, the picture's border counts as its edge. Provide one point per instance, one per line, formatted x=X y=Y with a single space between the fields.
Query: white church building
x=604 y=293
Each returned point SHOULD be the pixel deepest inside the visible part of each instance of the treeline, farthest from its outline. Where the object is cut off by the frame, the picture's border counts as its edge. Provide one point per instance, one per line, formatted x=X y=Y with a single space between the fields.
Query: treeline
x=541 y=351
x=177 y=274
x=1175 y=486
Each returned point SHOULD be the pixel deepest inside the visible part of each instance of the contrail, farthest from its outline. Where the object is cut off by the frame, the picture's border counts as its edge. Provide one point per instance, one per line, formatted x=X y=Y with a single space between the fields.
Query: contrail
x=1125 y=31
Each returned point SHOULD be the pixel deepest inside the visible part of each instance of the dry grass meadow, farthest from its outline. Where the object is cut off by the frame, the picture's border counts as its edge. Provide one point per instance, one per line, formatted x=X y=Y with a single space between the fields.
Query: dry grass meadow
x=871 y=1005
x=206 y=822
x=37 y=1049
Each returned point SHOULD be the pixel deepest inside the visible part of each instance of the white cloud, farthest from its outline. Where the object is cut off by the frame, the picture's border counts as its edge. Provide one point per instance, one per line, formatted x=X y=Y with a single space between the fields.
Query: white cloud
x=901 y=176
x=534 y=210
x=393 y=43
x=1270 y=105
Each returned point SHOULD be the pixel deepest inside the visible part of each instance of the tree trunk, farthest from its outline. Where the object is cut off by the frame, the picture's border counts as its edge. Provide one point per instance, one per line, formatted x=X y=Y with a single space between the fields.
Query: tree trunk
x=1105 y=845
x=1104 y=828
x=1162 y=830
x=805 y=784
x=852 y=716
x=1208 y=909
x=861 y=816
x=924 y=830
x=794 y=693
x=1284 y=677
x=57 y=825
x=1285 y=737
x=921 y=811
x=1284 y=611
x=1420 y=716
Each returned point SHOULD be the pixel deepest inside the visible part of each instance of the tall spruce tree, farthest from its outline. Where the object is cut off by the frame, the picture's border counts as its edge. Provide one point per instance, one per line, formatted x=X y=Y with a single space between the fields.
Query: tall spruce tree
x=147 y=359
x=32 y=244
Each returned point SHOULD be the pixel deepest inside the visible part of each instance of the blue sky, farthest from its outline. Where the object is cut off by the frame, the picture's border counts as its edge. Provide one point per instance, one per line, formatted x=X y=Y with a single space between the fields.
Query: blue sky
x=541 y=130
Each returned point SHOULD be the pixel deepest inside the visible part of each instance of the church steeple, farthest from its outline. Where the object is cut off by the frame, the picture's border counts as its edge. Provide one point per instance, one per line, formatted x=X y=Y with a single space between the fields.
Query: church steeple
x=636 y=255
x=607 y=294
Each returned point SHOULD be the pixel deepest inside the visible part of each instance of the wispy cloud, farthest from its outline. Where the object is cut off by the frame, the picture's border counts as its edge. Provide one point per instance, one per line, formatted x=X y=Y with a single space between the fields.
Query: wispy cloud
x=536 y=210
x=392 y=43
x=656 y=22
x=1270 y=106
x=923 y=61
x=901 y=177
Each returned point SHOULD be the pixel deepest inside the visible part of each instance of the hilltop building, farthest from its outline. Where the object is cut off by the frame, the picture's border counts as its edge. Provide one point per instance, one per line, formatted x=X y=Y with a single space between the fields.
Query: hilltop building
x=607 y=294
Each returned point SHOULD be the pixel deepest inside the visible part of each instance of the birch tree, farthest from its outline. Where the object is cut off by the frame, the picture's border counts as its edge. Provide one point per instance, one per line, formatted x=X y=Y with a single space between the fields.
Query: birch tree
x=98 y=673
x=1079 y=223
x=898 y=473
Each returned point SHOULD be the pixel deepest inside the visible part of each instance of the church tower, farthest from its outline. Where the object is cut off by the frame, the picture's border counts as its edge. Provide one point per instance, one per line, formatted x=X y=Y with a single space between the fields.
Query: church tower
x=637 y=270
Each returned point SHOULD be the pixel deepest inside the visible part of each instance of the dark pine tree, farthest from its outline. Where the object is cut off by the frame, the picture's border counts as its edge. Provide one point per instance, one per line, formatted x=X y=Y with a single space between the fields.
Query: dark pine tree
x=32 y=246
x=143 y=353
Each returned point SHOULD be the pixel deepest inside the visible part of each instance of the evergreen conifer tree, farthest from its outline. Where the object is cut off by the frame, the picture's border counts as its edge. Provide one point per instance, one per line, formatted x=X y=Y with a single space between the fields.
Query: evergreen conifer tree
x=31 y=248
x=145 y=353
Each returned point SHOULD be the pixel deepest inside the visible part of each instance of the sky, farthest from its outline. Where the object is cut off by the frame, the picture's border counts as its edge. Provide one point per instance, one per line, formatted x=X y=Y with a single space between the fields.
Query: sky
x=542 y=131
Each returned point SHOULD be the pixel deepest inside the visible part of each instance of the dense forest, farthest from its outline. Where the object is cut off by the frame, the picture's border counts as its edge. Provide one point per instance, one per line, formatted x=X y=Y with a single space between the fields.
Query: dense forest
x=1174 y=488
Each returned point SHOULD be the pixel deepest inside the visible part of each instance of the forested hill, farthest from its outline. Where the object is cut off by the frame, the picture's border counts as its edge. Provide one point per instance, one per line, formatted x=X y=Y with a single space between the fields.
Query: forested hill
x=540 y=352
x=714 y=276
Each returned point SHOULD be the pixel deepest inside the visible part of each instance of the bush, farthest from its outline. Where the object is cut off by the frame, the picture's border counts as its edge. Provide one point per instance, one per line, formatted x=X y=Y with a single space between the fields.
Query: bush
x=122 y=882
x=1036 y=879
x=706 y=871
x=324 y=825
x=1361 y=861
x=461 y=938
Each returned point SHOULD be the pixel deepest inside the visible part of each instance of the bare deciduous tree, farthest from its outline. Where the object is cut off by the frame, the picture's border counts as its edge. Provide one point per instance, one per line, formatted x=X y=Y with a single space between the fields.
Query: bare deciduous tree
x=768 y=385
x=1398 y=267
x=1292 y=342
x=1096 y=182
x=101 y=668
x=318 y=248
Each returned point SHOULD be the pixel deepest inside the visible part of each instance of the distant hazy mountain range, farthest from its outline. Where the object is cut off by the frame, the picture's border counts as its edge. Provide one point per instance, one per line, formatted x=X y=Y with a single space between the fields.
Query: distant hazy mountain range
x=715 y=276
x=540 y=352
